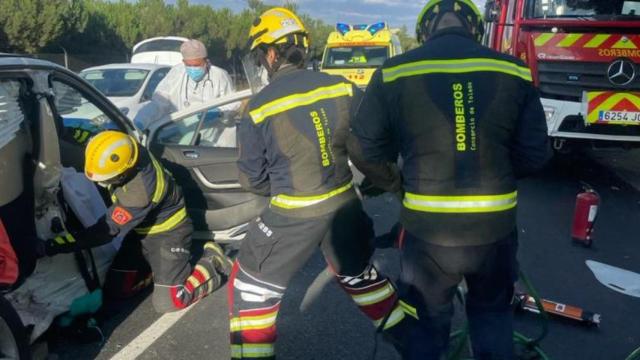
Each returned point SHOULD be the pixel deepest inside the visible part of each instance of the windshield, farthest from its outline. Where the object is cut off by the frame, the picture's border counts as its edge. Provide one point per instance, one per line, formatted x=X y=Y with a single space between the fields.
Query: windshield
x=116 y=82
x=159 y=45
x=606 y=9
x=355 y=57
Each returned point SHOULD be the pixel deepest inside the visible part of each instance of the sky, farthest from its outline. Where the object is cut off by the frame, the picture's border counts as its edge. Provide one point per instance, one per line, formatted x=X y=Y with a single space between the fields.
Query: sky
x=395 y=12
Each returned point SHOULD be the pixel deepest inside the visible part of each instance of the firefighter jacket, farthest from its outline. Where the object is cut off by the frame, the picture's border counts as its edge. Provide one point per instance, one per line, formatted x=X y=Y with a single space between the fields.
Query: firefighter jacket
x=466 y=121
x=150 y=203
x=293 y=142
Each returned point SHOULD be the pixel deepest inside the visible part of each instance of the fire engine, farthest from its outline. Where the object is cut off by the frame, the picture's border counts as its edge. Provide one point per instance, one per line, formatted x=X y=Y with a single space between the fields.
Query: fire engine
x=356 y=51
x=584 y=56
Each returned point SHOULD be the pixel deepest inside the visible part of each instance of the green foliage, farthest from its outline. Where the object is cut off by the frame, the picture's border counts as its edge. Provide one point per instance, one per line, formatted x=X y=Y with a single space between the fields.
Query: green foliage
x=407 y=41
x=114 y=26
x=30 y=25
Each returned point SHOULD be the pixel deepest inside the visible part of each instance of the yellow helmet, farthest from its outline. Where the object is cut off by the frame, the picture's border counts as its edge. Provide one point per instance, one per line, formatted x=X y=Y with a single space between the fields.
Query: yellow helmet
x=466 y=11
x=109 y=154
x=278 y=26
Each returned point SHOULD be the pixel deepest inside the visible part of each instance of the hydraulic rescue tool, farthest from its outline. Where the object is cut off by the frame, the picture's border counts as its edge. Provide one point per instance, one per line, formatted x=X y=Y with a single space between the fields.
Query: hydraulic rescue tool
x=527 y=303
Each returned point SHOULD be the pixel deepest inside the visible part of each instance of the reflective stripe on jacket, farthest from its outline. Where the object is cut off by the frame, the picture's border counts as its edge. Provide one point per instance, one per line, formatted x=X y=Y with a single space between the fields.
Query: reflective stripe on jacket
x=467 y=121
x=293 y=142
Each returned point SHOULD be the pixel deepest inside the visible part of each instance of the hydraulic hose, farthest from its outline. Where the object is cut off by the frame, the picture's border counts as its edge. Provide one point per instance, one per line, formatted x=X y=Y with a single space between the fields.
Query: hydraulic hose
x=634 y=355
x=459 y=337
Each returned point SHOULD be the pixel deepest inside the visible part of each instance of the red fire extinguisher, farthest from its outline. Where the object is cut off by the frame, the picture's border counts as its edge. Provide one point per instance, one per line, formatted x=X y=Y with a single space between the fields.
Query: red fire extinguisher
x=584 y=217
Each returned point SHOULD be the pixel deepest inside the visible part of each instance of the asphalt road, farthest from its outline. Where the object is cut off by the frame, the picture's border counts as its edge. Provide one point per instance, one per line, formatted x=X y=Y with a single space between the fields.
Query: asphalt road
x=318 y=321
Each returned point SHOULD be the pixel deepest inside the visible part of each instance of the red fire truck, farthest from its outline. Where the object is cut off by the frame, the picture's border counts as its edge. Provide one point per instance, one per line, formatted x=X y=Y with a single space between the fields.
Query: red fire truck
x=585 y=58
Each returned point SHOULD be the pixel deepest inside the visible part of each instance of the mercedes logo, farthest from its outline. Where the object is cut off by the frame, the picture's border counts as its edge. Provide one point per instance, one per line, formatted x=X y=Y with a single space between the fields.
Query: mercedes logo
x=621 y=72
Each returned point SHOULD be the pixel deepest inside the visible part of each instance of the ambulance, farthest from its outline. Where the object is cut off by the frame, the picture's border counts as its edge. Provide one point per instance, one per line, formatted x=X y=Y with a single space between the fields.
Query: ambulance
x=356 y=51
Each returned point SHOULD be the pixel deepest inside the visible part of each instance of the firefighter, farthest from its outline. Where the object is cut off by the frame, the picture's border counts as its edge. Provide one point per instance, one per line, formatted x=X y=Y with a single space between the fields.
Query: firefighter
x=293 y=149
x=149 y=211
x=467 y=122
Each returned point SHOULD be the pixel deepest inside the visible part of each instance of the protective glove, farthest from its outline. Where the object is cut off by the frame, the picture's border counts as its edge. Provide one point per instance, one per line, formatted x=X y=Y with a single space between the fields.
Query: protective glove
x=63 y=243
x=367 y=189
x=214 y=253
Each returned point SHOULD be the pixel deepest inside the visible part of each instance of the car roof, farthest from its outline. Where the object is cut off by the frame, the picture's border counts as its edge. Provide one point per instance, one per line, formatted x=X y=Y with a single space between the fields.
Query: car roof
x=150 y=67
x=178 y=38
x=17 y=60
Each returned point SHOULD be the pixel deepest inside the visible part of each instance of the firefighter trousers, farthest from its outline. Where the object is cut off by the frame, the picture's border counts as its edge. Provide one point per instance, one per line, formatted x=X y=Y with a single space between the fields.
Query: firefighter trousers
x=429 y=281
x=163 y=258
x=275 y=248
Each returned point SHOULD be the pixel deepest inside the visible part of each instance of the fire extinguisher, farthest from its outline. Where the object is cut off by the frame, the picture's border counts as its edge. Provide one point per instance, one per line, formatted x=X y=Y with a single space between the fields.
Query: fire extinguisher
x=585 y=215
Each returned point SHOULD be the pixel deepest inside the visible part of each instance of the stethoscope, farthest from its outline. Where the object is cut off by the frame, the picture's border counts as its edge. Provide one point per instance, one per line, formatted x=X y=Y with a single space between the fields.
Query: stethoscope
x=185 y=80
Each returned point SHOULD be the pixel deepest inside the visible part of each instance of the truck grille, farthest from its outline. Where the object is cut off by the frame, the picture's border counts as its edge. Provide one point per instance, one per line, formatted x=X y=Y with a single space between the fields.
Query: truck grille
x=566 y=80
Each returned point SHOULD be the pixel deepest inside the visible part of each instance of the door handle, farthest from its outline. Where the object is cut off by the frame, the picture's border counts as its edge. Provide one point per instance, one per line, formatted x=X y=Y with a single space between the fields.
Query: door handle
x=190 y=154
x=214 y=186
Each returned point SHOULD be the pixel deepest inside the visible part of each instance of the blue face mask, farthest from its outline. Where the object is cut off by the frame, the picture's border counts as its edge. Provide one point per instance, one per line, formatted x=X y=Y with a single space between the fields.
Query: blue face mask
x=196 y=73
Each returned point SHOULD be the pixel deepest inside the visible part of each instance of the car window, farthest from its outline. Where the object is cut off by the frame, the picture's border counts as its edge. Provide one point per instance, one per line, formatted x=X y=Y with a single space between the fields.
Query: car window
x=79 y=116
x=116 y=82
x=153 y=84
x=213 y=128
x=11 y=114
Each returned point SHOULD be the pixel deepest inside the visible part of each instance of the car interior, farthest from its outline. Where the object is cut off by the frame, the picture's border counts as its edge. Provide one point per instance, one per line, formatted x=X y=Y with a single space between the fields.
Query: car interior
x=18 y=159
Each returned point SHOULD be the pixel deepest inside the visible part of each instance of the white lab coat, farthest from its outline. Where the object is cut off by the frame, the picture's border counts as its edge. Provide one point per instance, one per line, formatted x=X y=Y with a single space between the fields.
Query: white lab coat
x=177 y=92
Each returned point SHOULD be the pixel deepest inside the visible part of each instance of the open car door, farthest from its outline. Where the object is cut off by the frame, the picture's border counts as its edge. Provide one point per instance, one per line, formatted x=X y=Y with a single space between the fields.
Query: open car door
x=198 y=146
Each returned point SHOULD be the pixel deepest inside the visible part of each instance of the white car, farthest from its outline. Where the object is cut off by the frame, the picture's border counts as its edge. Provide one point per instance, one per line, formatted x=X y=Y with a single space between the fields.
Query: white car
x=164 y=50
x=128 y=86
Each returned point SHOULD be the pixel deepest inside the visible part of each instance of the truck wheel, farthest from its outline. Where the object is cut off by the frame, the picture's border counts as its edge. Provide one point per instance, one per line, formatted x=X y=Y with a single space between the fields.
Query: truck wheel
x=13 y=336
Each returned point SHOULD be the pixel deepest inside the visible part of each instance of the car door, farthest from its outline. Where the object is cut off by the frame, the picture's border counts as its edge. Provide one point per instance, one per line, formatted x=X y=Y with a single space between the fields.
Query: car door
x=199 y=147
x=79 y=112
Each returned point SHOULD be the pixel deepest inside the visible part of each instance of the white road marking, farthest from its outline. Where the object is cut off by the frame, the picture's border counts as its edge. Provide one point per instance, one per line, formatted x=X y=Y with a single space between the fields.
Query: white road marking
x=141 y=343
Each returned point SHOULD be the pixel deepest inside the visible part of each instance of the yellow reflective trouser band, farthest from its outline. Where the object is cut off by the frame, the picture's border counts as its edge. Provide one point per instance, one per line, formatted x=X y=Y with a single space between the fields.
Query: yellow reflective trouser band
x=252 y=351
x=65 y=239
x=296 y=202
x=167 y=225
x=296 y=100
x=374 y=297
x=408 y=309
x=454 y=66
x=160 y=183
x=461 y=204
x=397 y=315
x=259 y=322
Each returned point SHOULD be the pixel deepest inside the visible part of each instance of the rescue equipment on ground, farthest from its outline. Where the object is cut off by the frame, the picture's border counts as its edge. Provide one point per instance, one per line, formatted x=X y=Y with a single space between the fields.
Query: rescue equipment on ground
x=527 y=302
x=585 y=215
x=620 y=280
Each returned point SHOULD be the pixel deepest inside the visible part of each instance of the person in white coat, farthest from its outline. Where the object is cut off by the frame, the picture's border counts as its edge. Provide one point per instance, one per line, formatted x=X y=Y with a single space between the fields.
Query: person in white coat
x=193 y=82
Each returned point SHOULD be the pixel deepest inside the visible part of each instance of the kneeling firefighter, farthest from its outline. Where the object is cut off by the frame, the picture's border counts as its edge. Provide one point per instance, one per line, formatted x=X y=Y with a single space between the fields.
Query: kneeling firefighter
x=148 y=210
x=293 y=149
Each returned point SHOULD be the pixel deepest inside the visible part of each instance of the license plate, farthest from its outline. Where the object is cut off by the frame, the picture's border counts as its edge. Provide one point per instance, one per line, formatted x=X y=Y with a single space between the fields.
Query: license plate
x=618 y=116
x=611 y=108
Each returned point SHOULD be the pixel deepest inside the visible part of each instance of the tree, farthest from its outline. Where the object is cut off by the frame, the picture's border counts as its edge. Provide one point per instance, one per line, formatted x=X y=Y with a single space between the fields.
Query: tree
x=121 y=16
x=30 y=25
x=156 y=18
x=407 y=41
x=96 y=28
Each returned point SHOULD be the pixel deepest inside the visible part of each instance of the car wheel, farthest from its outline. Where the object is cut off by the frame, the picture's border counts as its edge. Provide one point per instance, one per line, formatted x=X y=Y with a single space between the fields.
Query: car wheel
x=13 y=336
